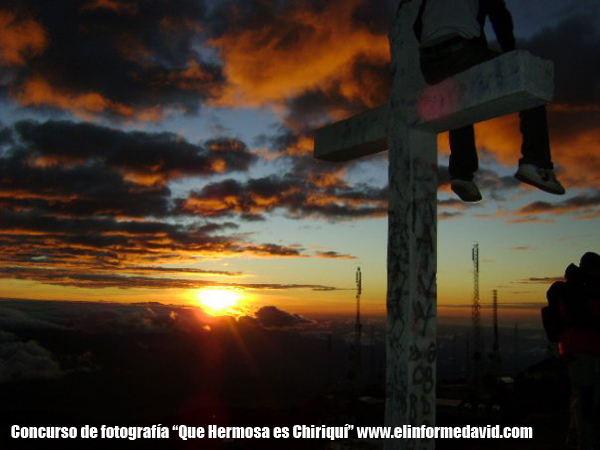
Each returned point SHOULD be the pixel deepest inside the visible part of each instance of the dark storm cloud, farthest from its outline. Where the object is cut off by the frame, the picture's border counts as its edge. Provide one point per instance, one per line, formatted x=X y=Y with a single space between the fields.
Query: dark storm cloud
x=80 y=190
x=117 y=319
x=123 y=58
x=494 y=185
x=11 y=317
x=154 y=156
x=540 y=280
x=103 y=317
x=375 y=15
x=35 y=237
x=334 y=255
x=236 y=16
x=273 y=317
x=573 y=46
x=501 y=305
x=160 y=269
x=574 y=113
x=447 y=215
x=281 y=140
x=38 y=238
x=315 y=189
x=82 y=197
x=586 y=203
x=100 y=280
x=120 y=318
x=452 y=203
x=5 y=136
x=97 y=226
x=314 y=107
x=25 y=360
x=68 y=189
x=140 y=59
x=100 y=318
x=275 y=250
x=298 y=196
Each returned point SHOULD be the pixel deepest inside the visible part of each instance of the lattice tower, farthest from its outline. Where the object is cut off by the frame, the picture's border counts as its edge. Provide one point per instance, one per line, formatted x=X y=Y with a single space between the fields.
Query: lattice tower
x=358 y=328
x=496 y=357
x=476 y=316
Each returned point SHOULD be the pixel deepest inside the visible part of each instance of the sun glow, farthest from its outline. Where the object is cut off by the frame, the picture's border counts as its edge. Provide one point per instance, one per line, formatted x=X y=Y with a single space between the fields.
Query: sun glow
x=218 y=301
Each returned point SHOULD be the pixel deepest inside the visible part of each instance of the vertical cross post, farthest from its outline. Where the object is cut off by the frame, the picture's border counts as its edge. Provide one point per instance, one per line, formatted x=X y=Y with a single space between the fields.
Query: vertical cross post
x=407 y=126
x=412 y=242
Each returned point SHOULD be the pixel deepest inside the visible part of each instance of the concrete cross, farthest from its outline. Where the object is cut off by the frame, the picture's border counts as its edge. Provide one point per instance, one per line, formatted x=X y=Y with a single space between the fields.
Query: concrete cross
x=408 y=126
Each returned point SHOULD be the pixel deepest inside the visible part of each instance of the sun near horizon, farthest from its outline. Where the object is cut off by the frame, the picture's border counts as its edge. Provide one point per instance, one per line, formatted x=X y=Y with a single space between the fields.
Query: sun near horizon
x=219 y=301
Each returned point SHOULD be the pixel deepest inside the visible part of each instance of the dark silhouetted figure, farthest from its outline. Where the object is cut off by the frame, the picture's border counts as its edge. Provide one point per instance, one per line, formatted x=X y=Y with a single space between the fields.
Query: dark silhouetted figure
x=452 y=40
x=577 y=327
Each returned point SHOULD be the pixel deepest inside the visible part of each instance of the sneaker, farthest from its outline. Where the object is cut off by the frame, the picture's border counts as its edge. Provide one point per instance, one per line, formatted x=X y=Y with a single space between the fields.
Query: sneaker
x=543 y=179
x=466 y=190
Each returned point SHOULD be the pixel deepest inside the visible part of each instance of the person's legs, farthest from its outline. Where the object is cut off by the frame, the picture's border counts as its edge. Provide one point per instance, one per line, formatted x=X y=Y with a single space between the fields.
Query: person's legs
x=535 y=166
x=436 y=67
x=463 y=153
x=536 y=144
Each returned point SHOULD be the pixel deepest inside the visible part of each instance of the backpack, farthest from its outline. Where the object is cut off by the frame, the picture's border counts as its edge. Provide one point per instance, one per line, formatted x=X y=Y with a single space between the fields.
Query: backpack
x=552 y=316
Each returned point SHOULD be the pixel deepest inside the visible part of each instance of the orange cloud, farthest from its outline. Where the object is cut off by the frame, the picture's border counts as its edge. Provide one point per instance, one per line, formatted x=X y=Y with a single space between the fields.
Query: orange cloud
x=298 y=198
x=20 y=39
x=328 y=179
x=579 y=157
x=305 y=145
x=304 y=49
x=193 y=77
x=38 y=92
x=501 y=136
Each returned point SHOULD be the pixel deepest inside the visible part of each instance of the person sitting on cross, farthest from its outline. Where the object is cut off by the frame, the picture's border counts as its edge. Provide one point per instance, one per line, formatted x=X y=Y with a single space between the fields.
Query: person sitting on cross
x=452 y=40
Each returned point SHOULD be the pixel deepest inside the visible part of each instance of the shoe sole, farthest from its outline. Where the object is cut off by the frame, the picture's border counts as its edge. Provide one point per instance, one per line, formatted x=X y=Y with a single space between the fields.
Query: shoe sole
x=539 y=186
x=464 y=195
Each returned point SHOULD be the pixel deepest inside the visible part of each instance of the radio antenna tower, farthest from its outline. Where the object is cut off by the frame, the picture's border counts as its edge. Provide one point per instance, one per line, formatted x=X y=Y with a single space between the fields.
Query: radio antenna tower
x=476 y=316
x=496 y=358
x=329 y=379
x=358 y=328
x=517 y=355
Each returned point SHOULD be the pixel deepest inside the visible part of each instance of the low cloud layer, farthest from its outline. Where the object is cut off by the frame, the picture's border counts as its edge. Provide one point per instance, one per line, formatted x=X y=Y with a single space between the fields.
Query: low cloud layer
x=25 y=360
x=122 y=319
x=273 y=317
x=82 y=197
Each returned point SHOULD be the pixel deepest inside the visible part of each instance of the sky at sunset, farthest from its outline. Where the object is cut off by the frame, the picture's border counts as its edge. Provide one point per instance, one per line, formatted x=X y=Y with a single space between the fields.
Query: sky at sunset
x=150 y=151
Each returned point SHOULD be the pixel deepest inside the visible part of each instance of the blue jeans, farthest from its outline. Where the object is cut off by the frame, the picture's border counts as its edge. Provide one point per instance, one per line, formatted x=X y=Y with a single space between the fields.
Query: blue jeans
x=535 y=149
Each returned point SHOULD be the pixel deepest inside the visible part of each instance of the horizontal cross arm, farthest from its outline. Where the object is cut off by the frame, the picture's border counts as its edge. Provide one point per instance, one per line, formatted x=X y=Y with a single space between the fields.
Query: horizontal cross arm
x=360 y=135
x=509 y=83
x=512 y=82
